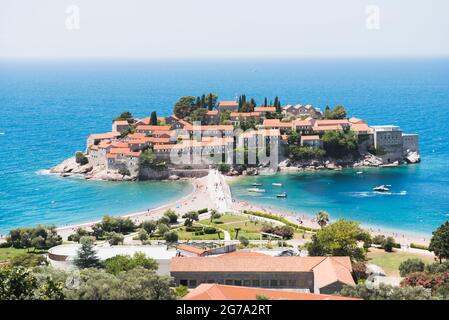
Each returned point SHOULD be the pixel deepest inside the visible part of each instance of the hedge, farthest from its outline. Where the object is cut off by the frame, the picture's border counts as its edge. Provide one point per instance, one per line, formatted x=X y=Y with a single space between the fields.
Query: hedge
x=275 y=217
x=194 y=228
x=209 y=230
x=418 y=246
x=202 y=211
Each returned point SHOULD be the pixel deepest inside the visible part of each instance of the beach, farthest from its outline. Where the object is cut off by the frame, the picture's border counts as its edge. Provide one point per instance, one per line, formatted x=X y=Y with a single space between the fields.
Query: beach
x=213 y=192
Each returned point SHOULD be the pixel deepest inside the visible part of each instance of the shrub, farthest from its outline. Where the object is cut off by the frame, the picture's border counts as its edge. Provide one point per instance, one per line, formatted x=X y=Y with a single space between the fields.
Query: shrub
x=389 y=244
x=171 y=236
x=379 y=239
x=171 y=215
x=410 y=266
x=224 y=168
x=419 y=246
x=244 y=241
x=209 y=230
x=143 y=235
x=120 y=263
x=115 y=238
x=202 y=211
x=80 y=158
x=124 y=172
x=194 y=228
x=28 y=260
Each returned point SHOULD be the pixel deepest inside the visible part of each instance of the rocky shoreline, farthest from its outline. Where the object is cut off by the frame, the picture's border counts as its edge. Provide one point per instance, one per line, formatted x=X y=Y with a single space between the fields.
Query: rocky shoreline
x=70 y=167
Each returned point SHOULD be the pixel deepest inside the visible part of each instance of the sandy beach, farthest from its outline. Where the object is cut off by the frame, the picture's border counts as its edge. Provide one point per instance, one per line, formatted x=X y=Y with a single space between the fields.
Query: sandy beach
x=213 y=192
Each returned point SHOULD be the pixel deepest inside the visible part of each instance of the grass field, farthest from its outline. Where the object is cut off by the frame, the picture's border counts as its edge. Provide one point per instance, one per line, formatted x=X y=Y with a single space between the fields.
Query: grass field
x=249 y=229
x=390 y=261
x=9 y=253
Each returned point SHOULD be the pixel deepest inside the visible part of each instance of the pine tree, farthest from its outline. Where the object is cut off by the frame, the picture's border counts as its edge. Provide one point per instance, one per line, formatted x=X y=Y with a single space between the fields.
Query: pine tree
x=265 y=102
x=203 y=101
x=210 y=102
x=87 y=256
x=153 y=118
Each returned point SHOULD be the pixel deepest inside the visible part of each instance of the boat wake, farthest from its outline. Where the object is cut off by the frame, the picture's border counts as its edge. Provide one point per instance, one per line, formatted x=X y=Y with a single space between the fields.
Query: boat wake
x=369 y=194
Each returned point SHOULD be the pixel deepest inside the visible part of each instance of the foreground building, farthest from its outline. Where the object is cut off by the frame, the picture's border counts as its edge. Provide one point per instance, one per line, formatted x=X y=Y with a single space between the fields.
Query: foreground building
x=325 y=275
x=212 y=291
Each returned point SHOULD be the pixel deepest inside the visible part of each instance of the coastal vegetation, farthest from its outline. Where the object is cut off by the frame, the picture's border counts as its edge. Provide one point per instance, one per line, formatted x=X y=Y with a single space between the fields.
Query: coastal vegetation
x=80 y=158
x=39 y=238
x=439 y=243
x=338 y=112
x=187 y=106
x=340 y=143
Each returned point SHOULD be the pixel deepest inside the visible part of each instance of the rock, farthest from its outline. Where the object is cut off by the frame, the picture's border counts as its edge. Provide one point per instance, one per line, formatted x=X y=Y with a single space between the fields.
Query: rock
x=173 y=177
x=412 y=157
x=66 y=166
x=285 y=163
x=331 y=165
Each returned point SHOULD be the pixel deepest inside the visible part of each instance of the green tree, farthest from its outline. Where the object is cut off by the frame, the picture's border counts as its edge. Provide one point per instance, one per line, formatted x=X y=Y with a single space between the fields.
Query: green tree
x=439 y=243
x=385 y=292
x=339 y=143
x=28 y=260
x=115 y=238
x=171 y=236
x=389 y=244
x=125 y=116
x=211 y=100
x=338 y=239
x=224 y=116
x=120 y=263
x=214 y=214
x=87 y=256
x=244 y=241
x=153 y=118
x=184 y=107
x=142 y=235
x=149 y=226
x=162 y=229
x=322 y=218
x=410 y=266
x=190 y=217
x=80 y=158
x=199 y=115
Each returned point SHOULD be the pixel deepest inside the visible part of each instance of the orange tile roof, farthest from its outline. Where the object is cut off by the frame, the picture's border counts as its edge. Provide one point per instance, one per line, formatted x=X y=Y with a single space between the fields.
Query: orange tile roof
x=303 y=123
x=214 y=128
x=328 y=128
x=360 y=127
x=228 y=103
x=333 y=270
x=245 y=114
x=213 y=291
x=331 y=122
x=136 y=135
x=228 y=263
x=153 y=128
x=265 y=109
x=106 y=135
x=309 y=138
x=119 y=144
x=212 y=112
x=276 y=123
x=191 y=249
x=121 y=122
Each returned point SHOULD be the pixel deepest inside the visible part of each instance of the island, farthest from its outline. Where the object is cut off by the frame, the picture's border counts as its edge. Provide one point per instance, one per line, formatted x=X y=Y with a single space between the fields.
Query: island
x=237 y=137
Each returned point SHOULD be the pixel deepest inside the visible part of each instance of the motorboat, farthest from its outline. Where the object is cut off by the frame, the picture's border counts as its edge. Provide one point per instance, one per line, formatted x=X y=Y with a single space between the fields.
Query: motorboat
x=256 y=184
x=256 y=190
x=277 y=184
x=282 y=195
x=359 y=172
x=381 y=188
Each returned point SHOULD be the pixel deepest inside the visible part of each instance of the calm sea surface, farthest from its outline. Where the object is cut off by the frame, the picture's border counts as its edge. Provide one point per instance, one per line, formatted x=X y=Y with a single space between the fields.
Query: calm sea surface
x=47 y=109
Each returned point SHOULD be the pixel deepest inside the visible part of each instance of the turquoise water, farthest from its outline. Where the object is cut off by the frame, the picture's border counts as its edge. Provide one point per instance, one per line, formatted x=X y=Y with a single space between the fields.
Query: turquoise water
x=47 y=109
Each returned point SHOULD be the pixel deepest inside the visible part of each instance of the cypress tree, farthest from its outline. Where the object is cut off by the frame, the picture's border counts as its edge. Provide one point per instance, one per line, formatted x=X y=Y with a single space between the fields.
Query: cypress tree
x=153 y=118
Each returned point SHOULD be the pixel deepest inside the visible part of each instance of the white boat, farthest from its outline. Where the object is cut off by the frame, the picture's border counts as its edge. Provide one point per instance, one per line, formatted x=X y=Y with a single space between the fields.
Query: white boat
x=381 y=188
x=255 y=184
x=282 y=195
x=256 y=190
x=277 y=184
x=359 y=172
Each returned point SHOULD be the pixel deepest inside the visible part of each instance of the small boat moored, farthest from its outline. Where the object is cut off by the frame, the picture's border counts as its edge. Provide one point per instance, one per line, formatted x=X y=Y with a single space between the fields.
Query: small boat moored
x=255 y=184
x=282 y=195
x=277 y=184
x=256 y=190
x=381 y=188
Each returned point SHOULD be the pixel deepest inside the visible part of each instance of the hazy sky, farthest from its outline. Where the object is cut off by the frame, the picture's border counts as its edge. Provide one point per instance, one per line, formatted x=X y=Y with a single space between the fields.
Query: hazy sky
x=226 y=28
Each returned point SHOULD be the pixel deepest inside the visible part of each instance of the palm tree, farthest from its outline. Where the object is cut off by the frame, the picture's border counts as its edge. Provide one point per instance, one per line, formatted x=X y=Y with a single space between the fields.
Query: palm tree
x=322 y=218
x=237 y=229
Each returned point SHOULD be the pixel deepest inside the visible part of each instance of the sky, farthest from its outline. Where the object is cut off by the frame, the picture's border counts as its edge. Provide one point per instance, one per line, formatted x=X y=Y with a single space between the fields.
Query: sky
x=226 y=28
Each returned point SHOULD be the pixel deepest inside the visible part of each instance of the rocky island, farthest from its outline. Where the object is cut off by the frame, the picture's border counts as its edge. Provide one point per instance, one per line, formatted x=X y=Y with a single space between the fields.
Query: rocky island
x=239 y=138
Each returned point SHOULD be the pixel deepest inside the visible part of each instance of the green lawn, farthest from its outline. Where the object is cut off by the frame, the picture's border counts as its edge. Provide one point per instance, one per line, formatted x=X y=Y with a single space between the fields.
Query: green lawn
x=251 y=230
x=390 y=261
x=9 y=253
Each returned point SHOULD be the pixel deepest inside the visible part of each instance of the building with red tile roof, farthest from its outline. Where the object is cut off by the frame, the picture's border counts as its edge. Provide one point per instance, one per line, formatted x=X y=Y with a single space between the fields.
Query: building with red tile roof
x=315 y=274
x=213 y=291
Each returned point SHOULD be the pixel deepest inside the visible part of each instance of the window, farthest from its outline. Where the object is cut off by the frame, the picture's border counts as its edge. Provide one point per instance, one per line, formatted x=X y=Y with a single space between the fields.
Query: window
x=238 y=282
x=273 y=283
x=183 y=282
x=265 y=283
x=247 y=283
x=210 y=281
x=256 y=283
x=229 y=282
x=292 y=283
x=192 y=283
x=282 y=283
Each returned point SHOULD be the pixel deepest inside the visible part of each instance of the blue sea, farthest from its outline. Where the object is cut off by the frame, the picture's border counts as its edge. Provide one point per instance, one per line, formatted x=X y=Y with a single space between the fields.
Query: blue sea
x=48 y=108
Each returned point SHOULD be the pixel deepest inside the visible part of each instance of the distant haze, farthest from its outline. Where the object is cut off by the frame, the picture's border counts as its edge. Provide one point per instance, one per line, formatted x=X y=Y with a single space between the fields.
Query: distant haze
x=226 y=28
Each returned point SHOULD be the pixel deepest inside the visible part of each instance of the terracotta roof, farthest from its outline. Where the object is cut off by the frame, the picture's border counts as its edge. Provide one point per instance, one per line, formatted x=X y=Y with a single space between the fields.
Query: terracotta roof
x=299 y=122
x=191 y=249
x=276 y=123
x=360 y=127
x=245 y=114
x=212 y=112
x=356 y=120
x=227 y=263
x=331 y=270
x=328 y=128
x=153 y=128
x=212 y=291
x=119 y=144
x=244 y=254
x=121 y=122
x=213 y=128
x=265 y=109
x=136 y=135
x=106 y=135
x=228 y=103
x=331 y=122
x=309 y=138
x=264 y=132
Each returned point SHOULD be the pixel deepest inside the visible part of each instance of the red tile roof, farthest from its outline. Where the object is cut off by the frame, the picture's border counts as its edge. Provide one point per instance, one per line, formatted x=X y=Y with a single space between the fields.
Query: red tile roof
x=191 y=249
x=212 y=291
x=310 y=138
x=265 y=109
